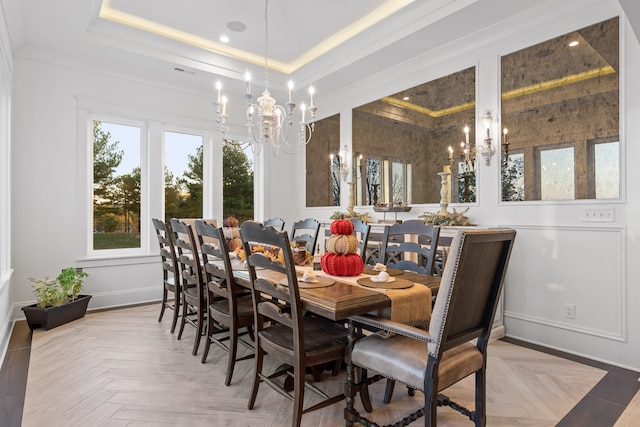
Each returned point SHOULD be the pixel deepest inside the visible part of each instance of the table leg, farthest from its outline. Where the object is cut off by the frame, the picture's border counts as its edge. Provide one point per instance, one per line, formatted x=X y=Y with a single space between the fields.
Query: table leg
x=350 y=388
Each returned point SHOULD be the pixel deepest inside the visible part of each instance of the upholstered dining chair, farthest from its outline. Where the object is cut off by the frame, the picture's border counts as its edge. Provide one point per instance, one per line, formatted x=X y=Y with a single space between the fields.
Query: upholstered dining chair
x=361 y=230
x=275 y=222
x=170 y=272
x=229 y=307
x=193 y=292
x=282 y=329
x=306 y=230
x=400 y=243
x=397 y=246
x=455 y=346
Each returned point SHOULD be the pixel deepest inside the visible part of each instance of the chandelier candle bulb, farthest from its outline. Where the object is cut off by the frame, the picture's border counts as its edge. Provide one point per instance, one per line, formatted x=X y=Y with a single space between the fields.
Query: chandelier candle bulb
x=311 y=92
x=247 y=77
x=505 y=132
x=224 y=105
x=290 y=85
x=218 y=86
x=450 y=153
x=303 y=108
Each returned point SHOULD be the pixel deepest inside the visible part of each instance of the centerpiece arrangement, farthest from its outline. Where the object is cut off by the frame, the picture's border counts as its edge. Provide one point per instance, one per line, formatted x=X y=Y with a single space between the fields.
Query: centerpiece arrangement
x=342 y=258
x=446 y=218
x=301 y=255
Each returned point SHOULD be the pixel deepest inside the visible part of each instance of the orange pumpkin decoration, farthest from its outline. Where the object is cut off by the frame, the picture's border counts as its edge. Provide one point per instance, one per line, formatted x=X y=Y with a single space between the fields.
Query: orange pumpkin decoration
x=342 y=244
x=342 y=265
x=230 y=222
x=341 y=226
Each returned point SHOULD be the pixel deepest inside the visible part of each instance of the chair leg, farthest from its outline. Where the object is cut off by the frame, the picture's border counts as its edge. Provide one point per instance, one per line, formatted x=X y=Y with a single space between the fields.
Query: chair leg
x=430 y=407
x=365 y=398
x=298 y=395
x=164 y=303
x=199 y=330
x=207 y=339
x=481 y=388
x=388 y=391
x=176 y=311
x=256 y=376
x=233 y=351
x=183 y=320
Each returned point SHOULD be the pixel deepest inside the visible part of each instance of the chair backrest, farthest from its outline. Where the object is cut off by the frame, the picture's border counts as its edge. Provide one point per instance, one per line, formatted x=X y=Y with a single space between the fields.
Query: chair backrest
x=306 y=230
x=470 y=289
x=274 y=284
x=275 y=222
x=192 y=223
x=170 y=271
x=218 y=274
x=410 y=237
x=188 y=256
x=361 y=229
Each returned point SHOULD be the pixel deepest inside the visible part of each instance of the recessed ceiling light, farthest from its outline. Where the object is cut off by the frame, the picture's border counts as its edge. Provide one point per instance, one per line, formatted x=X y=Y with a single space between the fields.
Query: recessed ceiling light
x=574 y=43
x=236 y=26
x=224 y=39
x=406 y=98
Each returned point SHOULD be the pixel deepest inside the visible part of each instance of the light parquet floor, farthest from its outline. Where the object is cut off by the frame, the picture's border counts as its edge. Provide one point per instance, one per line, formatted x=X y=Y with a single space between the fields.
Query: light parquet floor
x=123 y=368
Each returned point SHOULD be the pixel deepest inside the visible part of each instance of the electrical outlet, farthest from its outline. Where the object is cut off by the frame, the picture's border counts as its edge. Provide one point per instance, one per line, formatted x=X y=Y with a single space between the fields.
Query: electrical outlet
x=569 y=310
x=598 y=215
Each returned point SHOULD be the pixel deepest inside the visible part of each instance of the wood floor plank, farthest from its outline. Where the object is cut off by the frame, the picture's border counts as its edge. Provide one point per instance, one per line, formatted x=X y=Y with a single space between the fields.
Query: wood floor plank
x=123 y=368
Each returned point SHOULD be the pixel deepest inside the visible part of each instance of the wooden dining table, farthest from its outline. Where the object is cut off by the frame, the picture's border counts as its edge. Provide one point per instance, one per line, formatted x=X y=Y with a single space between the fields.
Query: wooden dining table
x=339 y=302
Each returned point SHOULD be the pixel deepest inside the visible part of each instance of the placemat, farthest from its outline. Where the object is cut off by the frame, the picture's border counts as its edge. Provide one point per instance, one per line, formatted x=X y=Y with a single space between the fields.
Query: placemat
x=322 y=282
x=396 y=284
x=368 y=269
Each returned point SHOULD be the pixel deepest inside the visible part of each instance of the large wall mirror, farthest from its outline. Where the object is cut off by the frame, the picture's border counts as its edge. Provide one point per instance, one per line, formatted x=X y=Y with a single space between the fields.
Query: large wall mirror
x=560 y=106
x=401 y=142
x=323 y=178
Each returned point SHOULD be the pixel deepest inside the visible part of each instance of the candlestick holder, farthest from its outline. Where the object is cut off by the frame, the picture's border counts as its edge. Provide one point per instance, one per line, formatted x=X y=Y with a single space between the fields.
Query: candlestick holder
x=444 y=179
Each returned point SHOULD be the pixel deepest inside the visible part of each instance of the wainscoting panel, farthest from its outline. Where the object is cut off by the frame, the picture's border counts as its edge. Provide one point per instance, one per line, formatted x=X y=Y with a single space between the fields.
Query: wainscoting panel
x=570 y=278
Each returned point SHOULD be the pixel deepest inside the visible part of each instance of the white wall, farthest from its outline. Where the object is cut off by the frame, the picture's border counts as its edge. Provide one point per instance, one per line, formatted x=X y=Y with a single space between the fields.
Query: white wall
x=558 y=258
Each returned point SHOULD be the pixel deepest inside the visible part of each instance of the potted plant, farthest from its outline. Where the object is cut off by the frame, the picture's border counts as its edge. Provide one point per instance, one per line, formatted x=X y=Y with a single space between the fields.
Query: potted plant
x=58 y=301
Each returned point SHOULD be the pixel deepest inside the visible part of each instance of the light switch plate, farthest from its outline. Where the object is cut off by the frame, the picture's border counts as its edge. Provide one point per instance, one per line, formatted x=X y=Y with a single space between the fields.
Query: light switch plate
x=598 y=215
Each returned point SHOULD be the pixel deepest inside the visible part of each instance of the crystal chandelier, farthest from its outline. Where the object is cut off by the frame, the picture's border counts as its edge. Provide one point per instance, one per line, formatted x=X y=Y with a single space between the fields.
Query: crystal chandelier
x=268 y=122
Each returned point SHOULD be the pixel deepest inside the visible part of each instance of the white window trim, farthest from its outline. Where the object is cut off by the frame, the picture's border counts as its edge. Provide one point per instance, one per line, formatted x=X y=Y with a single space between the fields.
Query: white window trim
x=153 y=124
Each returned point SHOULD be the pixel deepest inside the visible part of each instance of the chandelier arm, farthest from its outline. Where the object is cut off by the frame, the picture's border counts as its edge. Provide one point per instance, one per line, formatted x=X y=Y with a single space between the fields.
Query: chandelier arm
x=268 y=122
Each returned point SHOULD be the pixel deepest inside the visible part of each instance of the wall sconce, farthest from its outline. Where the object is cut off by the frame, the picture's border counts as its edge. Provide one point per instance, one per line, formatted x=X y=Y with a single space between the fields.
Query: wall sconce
x=467 y=154
x=340 y=162
x=487 y=149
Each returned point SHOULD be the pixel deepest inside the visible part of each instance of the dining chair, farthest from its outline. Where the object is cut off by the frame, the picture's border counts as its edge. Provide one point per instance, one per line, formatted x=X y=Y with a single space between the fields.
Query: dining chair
x=306 y=230
x=412 y=238
x=374 y=245
x=275 y=222
x=455 y=346
x=229 y=307
x=170 y=272
x=193 y=293
x=401 y=242
x=282 y=328
x=361 y=230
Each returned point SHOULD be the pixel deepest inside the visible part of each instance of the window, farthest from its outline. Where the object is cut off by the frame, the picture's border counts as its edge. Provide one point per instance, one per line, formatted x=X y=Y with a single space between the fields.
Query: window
x=116 y=185
x=237 y=172
x=607 y=170
x=183 y=175
x=557 y=175
x=513 y=178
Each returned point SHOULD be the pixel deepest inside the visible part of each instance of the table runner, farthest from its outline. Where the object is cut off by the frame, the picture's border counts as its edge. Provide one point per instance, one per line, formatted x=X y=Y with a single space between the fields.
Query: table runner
x=411 y=306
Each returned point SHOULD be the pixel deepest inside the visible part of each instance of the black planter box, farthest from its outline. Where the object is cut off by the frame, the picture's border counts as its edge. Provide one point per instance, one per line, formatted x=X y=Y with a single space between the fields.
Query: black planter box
x=50 y=317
